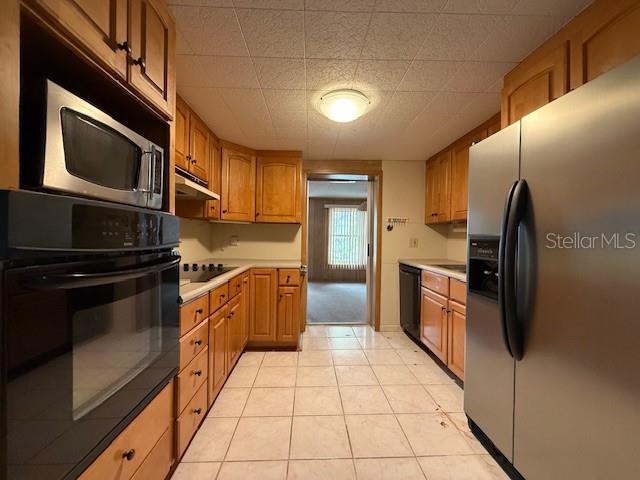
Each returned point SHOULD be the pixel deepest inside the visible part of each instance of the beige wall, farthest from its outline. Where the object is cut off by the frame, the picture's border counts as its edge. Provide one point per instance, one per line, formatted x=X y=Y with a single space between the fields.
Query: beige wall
x=457 y=242
x=403 y=196
x=202 y=240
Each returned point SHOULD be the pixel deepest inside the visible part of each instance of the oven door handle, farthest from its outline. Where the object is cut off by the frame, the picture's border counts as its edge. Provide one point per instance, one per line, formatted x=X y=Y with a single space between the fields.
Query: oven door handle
x=69 y=281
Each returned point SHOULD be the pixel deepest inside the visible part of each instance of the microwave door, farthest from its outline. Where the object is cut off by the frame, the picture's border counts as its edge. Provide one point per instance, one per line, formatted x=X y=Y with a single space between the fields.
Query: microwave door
x=88 y=153
x=154 y=177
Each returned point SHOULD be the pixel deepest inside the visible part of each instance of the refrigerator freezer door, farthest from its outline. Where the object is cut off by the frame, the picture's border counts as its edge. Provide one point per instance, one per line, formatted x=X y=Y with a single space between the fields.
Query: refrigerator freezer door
x=489 y=368
x=577 y=405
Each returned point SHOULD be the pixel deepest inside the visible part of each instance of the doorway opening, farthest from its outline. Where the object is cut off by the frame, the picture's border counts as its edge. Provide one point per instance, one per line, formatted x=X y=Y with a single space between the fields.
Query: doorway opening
x=340 y=240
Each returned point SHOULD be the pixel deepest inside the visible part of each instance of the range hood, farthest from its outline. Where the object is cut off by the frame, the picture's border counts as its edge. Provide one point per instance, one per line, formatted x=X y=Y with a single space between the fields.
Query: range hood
x=189 y=189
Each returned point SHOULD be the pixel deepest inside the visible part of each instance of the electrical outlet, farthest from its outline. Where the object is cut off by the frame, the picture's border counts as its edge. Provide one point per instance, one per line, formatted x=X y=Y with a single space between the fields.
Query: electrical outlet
x=413 y=242
x=234 y=240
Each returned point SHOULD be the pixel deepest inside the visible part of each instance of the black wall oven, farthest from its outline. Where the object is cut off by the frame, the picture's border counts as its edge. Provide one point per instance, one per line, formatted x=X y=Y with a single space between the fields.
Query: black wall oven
x=89 y=330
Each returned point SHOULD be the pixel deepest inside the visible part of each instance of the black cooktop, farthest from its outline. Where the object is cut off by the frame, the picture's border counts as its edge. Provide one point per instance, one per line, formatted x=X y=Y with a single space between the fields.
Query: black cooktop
x=203 y=272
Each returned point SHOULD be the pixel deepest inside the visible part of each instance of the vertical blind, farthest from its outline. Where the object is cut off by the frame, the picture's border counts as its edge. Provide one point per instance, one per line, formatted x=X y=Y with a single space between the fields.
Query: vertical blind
x=347 y=238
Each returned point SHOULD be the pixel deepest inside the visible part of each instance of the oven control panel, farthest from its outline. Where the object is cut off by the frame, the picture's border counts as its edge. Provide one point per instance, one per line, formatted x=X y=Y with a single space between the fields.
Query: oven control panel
x=99 y=227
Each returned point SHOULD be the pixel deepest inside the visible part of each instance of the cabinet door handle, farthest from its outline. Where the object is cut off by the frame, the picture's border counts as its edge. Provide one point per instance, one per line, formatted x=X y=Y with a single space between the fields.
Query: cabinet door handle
x=197 y=411
x=198 y=342
x=197 y=372
x=129 y=454
x=139 y=61
x=199 y=311
x=124 y=46
x=224 y=211
x=194 y=161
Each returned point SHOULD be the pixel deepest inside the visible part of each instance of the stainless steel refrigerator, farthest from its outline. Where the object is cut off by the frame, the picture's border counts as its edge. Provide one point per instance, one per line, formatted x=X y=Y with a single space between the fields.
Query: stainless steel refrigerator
x=552 y=376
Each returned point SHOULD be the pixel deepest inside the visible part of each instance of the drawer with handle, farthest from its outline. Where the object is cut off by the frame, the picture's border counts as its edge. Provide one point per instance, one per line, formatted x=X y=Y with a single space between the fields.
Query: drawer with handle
x=159 y=462
x=191 y=378
x=127 y=452
x=288 y=276
x=218 y=297
x=193 y=343
x=192 y=313
x=235 y=286
x=458 y=291
x=190 y=419
x=436 y=282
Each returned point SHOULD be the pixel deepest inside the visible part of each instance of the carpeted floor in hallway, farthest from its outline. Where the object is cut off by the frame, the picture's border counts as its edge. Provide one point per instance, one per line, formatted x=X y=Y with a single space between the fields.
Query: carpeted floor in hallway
x=329 y=302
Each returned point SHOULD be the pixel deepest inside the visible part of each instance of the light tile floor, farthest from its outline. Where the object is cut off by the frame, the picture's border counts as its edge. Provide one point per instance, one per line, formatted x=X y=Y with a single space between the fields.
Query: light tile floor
x=352 y=404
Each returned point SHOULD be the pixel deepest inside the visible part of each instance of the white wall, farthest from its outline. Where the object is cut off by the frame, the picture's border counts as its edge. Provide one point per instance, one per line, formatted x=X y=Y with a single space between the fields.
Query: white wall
x=403 y=196
x=195 y=240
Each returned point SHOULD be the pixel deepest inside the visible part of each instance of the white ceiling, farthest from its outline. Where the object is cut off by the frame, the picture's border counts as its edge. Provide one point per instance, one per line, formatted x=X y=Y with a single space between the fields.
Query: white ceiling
x=254 y=69
x=325 y=189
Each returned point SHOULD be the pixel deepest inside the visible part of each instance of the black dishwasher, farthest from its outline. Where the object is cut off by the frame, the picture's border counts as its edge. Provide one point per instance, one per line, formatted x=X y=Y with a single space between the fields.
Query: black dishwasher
x=410 y=300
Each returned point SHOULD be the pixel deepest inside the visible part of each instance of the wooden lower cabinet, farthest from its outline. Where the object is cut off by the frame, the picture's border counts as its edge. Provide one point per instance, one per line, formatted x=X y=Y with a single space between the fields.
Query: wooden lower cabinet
x=127 y=453
x=288 y=323
x=457 y=316
x=443 y=319
x=264 y=289
x=433 y=322
x=217 y=352
x=190 y=419
x=159 y=462
x=244 y=306
x=234 y=330
x=191 y=379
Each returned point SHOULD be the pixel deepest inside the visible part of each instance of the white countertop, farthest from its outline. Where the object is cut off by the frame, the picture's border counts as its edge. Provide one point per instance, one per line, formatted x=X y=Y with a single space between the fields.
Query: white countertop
x=429 y=264
x=189 y=291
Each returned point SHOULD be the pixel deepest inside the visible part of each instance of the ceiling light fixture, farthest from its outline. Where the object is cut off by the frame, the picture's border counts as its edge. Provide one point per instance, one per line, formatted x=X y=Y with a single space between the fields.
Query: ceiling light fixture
x=343 y=105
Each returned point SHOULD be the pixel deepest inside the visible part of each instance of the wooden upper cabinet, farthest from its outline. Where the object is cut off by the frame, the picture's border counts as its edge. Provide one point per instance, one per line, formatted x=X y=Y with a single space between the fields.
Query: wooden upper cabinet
x=278 y=187
x=263 y=291
x=539 y=79
x=152 y=40
x=215 y=177
x=288 y=324
x=199 y=148
x=603 y=36
x=238 y=185
x=438 y=188
x=460 y=175
x=97 y=26
x=494 y=125
x=182 y=126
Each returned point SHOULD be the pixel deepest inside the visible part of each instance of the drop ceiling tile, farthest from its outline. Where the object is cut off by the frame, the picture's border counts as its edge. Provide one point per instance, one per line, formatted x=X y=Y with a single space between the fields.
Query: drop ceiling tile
x=477 y=76
x=330 y=74
x=273 y=33
x=425 y=76
x=248 y=106
x=209 y=105
x=565 y=8
x=271 y=4
x=288 y=120
x=482 y=107
x=189 y=71
x=182 y=46
x=380 y=74
x=340 y=5
x=335 y=34
x=480 y=6
x=286 y=100
x=212 y=71
x=446 y=104
x=292 y=133
x=211 y=31
x=456 y=37
x=402 y=109
x=515 y=36
x=424 y=6
x=396 y=35
x=280 y=73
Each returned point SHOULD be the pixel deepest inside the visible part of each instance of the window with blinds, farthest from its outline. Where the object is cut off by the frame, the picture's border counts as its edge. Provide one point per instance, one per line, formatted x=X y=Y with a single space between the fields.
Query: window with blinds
x=347 y=243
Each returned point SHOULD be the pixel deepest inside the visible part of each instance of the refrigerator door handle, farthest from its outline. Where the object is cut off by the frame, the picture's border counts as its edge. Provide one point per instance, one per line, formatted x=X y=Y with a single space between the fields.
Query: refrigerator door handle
x=501 y=267
x=515 y=216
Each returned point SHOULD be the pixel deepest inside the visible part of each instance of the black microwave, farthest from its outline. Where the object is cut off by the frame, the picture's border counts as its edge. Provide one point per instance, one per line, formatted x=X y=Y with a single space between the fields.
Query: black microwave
x=87 y=153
